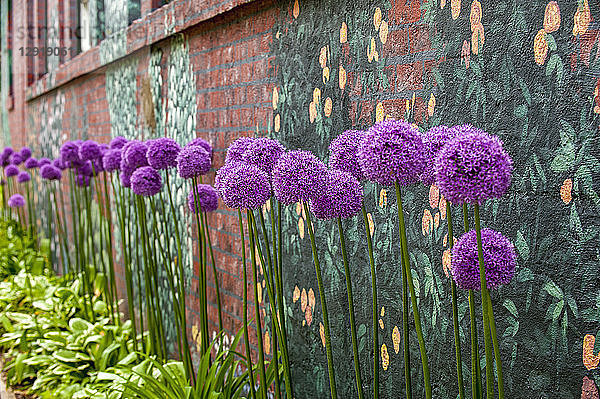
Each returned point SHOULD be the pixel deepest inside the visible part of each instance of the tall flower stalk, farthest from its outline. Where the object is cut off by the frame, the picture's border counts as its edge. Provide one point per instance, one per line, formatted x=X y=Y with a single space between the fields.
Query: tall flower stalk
x=392 y=154
x=433 y=141
x=470 y=169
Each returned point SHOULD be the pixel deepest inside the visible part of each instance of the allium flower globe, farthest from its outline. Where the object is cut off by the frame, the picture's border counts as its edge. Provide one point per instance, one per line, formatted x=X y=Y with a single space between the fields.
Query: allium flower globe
x=298 y=175
x=162 y=153
x=31 y=163
x=499 y=258
x=343 y=153
x=112 y=160
x=392 y=151
x=50 y=172
x=244 y=187
x=133 y=155
x=23 y=177
x=58 y=163
x=89 y=150
x=16 y=159
x=342 y=197
x=11 y=170
x=118 y=143
x=472 y=168
x=7 y=151
x=125 y=177
x=433 y=141
x=69 y=152
x=16 y=201
x=193 y=161
x=86 y=169
x=46 y=161
x=207 y=197
x=25 y=153
x=237 y=149
x=263 y=153
x=223 y=173
x=146 y=181
x=198 y=141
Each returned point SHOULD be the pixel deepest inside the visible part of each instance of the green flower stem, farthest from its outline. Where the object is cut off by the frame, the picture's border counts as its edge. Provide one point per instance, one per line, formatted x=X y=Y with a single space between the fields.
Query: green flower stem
x=271 y=293
x=111 y=262
x=374 y=287
x=489 y=368
x=179 y=265
x=151 y=312
x=259 y=336
x=205 y=339
x=126 y=263
x=214 y=268
x=459 y=374
x=413 y=296
x=279 y=281
x=475 y=369
x=245 y=309
x=171 y=282
x=327 y=335
x=351 y=310
x=61 y=234
x=496 y=349
x=185 y=349
x=272 y=301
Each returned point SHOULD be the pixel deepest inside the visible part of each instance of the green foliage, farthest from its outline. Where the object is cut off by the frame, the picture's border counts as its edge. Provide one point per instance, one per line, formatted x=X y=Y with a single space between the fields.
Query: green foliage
x=219 y=377
x=17 y=251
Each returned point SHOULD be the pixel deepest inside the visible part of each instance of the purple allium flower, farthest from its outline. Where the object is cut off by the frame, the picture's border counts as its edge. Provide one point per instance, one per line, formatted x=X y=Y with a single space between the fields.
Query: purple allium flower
x=146 y=181
x=499 y=258
x=125 y=177
x=7 y=151
x=83 y=180
x=58 y=163
x=4 y=160
x=434 y=140
x=69 y=153
x=341 y=197
x=86 y=169
x=11 y=170
x=193 y=161
x=50 y=172
x=118 y=142
x=162 y=153
x=133 y=155
x=343 y=150
x=392 y=151
x=25 y=153
x=23 y=177
x=44 y=161
x=208 y=199
x=263 y=153
x=16 y=201
x=16 y=158
x=237 y=149
x=245 y=187
x=223 y=172
x=112 y=160
x=298 y=175
x=89 y=150
x=103 y=148
x=31 y=163
x=472 y=168
x=202 y=143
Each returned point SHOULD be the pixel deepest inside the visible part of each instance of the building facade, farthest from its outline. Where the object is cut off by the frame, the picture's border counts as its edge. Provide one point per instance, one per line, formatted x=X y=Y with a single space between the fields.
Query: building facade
x=304 y=71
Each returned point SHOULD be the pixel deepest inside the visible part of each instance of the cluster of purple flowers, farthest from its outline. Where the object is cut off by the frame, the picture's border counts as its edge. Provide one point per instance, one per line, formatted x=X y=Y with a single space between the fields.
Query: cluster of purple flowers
x=16 y=201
